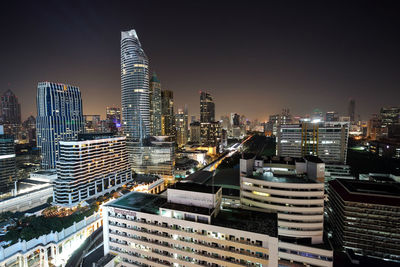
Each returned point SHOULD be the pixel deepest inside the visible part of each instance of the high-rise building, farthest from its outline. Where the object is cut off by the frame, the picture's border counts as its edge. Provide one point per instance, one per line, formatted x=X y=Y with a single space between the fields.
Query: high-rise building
x=210 y=133
x=93 y=165
x=92 y=123
x=352 y=110
x=10 y=109
x=156 y=155
x=390 y=116
x=7 y=163
x=364 y=216
x=135 y=88
x=167 y=113
x=59 y=118
x=331 y=116
x=10 y=114
x=29 y=130
x=225 y=122
x=327 y=140
x=113 y=119
x=207 y=107
x=195 y=132
x=155 y=105
x=182 y=129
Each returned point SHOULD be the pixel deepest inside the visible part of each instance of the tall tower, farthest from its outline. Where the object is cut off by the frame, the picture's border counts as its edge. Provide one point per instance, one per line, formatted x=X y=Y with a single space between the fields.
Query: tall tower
x=59 y=118
x=135 y=88
x=352 y=110
x=167 y=113
x=207 y=107
x=155 y=105
x=181 y=122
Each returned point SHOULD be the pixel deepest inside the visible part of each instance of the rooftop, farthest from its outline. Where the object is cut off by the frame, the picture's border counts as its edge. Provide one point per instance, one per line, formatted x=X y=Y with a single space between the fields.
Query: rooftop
x=248 y=220
x=287 y=178
x=95 y=136
x=199 y=177
x=144 y=178
x=240 y=219
x=194 y=187
x=367 y=191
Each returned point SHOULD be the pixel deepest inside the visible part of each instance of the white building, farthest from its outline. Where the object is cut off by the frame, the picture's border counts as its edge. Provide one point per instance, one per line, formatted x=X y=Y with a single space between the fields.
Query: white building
x=188 y=228
x=327 y=140
x=92 y=166
x=298 y=199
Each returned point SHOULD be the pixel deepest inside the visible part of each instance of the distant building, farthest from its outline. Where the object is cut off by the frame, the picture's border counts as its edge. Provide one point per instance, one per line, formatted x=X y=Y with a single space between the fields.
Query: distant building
x=58 y=120
x=113 y=120
x=195 y=132
x=155 y=105
x=351 y=112
x=155 y=156
x=92 y=123
x=93 y=165
x=182 y=129
x=7 y=163
x=389 y=116
x=210 y=133
x=29 y=130
x=10 y=109
x=331 y=116
x=167 y=113
x=326 y=140
x=364 y=217
x=207 y=108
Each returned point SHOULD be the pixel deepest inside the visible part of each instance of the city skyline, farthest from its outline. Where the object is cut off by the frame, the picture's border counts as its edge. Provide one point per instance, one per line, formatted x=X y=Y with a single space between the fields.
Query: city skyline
x=336 y=58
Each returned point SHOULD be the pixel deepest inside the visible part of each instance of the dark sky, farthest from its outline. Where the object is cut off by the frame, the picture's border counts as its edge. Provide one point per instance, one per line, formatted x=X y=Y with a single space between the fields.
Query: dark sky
x=255 y=57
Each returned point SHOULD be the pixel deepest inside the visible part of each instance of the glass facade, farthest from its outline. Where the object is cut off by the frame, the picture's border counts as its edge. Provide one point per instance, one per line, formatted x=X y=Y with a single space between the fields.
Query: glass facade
x=59 y=109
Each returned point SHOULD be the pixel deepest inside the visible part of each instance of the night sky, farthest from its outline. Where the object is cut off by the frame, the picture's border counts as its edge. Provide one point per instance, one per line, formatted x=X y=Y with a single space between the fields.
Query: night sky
x=255 y=58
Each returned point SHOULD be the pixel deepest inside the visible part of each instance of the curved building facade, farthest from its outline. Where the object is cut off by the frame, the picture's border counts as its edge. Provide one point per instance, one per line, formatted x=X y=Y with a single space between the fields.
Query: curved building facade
x=297 y=200
x=135 y=88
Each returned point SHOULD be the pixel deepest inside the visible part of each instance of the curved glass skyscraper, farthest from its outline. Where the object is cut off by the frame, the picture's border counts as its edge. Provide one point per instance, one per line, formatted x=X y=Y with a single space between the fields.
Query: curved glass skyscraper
x=135 y=88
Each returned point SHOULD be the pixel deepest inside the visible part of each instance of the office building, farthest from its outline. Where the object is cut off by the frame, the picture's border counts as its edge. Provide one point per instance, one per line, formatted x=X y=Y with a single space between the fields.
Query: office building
x=135 y=89
x=155 y=105
x=207 y=108
x=167 y=113
x=60 y=119
x=389 y=116
x=113 y=120
x=187 y=227
x=331 y=116
x=7 y=163
x=294 y=190
x=195 y=132
x=10 y=109
x=181 y=125
x=364 y=217
x=351 y=111
x=29 y=130
x=327 y=140
x=155 y=156
x=210 y=133
x=91 y=166
x=92 y=123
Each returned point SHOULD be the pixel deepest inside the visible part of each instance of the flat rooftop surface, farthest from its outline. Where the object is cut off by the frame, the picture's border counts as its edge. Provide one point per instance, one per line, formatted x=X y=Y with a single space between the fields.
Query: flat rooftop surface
x=195 y=187
x=143 y=178
x=141 y=202
x=248 y=220
x=367 y=191
x=199 y=177
x=287 y=178
x=226 y=178
x=240 y=219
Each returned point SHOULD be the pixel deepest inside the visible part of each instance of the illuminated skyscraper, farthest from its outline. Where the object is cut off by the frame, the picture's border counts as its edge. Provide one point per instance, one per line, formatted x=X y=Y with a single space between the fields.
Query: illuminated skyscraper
x=155 y=105
x=7 y=163
x=10 y=108
x=167 y=113
x=182 y=127
x=135 y=88
x=207 y=107
x=59 y=108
